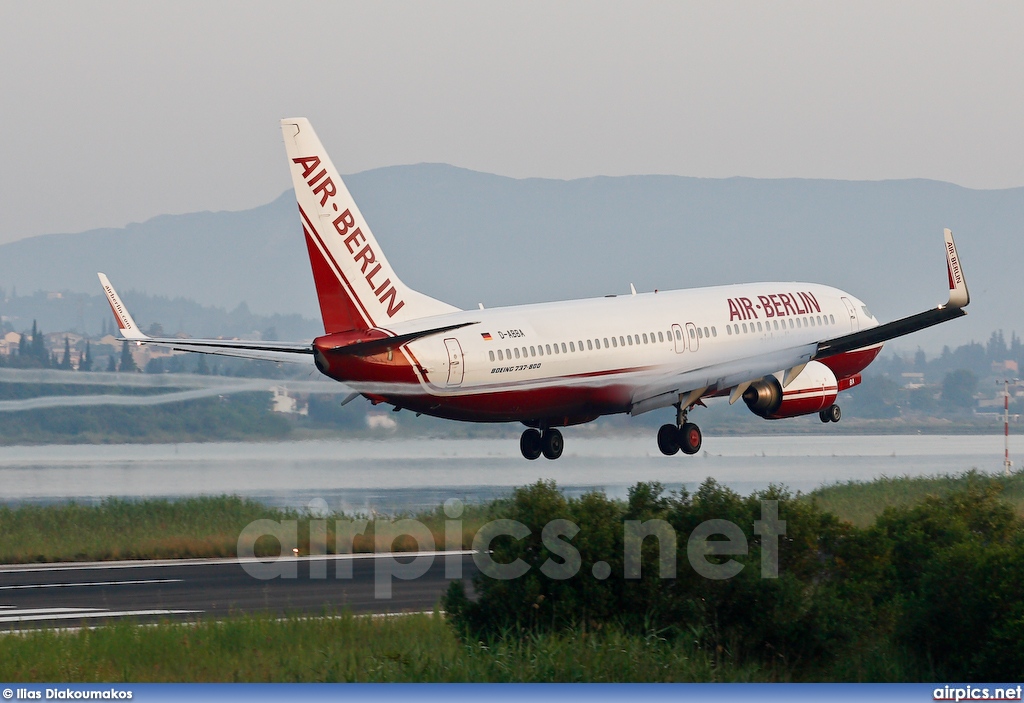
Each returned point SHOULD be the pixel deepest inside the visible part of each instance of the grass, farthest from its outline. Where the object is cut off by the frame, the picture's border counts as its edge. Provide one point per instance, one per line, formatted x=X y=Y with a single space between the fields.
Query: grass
x=860 y=502
x=164 y=529
x=210 y=526
x=347 y=648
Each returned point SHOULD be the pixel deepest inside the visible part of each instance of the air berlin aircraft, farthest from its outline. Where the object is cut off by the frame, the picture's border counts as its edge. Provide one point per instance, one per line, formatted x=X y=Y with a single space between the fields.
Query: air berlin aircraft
x=785 y=349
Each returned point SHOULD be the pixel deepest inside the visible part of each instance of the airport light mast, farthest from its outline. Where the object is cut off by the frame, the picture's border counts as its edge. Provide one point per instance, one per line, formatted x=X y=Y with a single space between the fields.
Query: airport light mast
x=1006 y=426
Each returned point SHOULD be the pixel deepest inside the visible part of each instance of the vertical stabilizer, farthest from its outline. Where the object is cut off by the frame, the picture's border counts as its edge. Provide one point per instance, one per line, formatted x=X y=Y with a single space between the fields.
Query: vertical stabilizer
x=356 y=285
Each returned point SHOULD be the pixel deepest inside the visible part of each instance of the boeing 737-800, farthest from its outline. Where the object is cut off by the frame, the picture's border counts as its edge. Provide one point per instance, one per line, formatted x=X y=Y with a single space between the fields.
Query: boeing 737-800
x=785 y=349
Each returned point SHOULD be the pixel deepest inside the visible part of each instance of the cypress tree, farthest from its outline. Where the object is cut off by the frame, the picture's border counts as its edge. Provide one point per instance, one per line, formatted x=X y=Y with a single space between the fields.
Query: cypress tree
x=65 y=363
x=127 y=361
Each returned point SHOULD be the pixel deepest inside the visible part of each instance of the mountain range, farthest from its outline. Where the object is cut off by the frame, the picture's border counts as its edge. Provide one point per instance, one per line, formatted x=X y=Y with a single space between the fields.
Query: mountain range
x=468 y=237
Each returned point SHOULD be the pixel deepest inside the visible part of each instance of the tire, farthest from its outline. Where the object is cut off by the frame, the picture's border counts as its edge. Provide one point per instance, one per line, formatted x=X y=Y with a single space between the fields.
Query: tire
x=668 y=440
x=824 y=415
x=551 y=443
x=834 y=413
x=690 y=438
x=529 y=444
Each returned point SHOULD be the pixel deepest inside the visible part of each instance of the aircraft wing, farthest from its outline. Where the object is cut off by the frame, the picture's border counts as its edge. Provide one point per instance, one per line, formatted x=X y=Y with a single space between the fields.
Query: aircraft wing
x=266 y=351
x=690 y=386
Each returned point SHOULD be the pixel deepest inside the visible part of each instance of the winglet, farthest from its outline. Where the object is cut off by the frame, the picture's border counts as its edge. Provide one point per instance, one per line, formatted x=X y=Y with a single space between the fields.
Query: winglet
x=129 y=330
x=958 y=295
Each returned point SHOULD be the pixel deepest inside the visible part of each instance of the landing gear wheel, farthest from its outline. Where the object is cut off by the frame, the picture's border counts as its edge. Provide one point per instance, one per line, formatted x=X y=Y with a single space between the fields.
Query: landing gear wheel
x=823 y=415
x=529 y=444
x=668 y=440
x=551 y=444
x=690 y=438
x=834 y=413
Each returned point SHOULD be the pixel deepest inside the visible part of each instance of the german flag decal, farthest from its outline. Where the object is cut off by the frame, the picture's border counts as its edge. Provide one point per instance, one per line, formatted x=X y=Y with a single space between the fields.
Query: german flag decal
x=486 y=336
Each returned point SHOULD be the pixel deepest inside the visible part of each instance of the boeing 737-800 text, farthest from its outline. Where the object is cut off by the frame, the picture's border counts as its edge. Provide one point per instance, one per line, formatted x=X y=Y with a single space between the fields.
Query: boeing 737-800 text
x=785 y=349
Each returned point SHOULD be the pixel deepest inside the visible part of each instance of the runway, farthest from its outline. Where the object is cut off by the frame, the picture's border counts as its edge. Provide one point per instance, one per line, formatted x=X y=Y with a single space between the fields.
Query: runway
x=86 y=594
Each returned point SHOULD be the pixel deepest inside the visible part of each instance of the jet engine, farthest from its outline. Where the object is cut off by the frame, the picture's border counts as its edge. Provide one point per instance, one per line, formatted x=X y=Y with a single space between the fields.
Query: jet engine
x=812 y=391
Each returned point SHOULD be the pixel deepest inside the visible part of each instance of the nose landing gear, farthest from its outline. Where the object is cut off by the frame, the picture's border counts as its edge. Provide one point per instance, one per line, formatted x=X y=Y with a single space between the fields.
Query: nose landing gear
x=533 y=443
x=683 y=435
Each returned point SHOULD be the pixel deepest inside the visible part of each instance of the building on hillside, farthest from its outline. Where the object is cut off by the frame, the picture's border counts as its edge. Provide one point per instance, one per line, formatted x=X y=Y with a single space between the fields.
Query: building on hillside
x=912 y=380
x=1009 y=366
x=285 y=402
x=9 y=344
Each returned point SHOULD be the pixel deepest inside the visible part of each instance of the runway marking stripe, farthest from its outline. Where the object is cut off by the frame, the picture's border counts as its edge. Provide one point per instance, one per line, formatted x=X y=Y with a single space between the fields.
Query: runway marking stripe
x=89 y=583
x=141 y=564
x=88 y=613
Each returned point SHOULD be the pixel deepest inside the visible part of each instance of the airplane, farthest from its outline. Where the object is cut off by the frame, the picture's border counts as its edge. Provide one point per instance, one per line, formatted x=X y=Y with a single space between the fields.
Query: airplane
x=785 y=348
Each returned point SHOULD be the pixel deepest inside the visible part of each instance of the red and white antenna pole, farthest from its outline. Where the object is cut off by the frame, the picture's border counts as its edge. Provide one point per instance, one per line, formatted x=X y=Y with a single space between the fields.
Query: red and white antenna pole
x=1006 y=428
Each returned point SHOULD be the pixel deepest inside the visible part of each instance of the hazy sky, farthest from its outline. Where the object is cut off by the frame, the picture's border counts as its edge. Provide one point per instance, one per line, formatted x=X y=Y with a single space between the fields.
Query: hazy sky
x=115 y=112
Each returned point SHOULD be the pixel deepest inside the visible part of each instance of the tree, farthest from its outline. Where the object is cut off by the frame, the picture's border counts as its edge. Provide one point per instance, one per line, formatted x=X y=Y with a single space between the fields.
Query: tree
x=920 y=361
x=37 y=346
x=65 y=362
x=958 y=389
x=127 y=360
x=111 y=364
x=86 y=362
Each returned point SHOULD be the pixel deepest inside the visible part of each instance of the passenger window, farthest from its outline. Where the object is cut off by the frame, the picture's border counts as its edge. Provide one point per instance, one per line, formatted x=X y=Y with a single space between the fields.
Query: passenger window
x=517 y=352
x=630 y=338
x=661 y=338
x=759 y=327
x=678 y=335
x=491 y=354
x=728 y=330
x=605 y=342
x=501 y=357
x=831 y=320
x=622 y=342
x=556 y=347
x=791 y=323
x=572 y=346
x=547 y=348
x=692 y=334
x=565 y=349
x=744 y=328
x=645 y=338
x=706 y=332
x=615 y=342
x=540 y=350
x=812 y=321
x=524 y=352
x=700 y=335
x=533 y=351
x=819 y=320
x=590 y=345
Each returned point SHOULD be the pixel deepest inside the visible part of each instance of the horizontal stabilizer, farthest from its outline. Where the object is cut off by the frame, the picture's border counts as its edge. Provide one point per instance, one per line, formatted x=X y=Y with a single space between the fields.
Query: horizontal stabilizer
x=381 y=346
x=244 y=349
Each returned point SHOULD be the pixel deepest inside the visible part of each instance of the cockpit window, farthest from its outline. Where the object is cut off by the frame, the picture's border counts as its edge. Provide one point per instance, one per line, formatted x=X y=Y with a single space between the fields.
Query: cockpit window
x=867 y=313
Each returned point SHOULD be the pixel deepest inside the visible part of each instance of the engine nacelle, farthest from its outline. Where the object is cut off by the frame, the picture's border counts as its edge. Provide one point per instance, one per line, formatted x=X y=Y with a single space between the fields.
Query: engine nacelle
x=812 y=391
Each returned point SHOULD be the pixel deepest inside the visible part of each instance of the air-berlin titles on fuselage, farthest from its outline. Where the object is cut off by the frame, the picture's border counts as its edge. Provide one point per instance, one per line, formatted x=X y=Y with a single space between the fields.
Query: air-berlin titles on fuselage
x=774 y=305
x=322 y=185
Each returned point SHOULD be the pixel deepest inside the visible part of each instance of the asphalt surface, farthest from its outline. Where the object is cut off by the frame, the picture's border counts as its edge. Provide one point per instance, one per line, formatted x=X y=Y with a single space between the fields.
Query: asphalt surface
x=87 y=594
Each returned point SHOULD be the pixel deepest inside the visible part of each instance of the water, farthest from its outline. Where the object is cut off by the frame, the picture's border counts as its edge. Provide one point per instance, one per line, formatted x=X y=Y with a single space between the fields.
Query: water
x=411 y=474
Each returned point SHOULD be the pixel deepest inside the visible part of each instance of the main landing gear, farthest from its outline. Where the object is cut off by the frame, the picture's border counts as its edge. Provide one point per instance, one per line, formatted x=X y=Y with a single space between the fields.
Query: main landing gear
x=683 y=435
x=533 y=443
x=831 y=414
